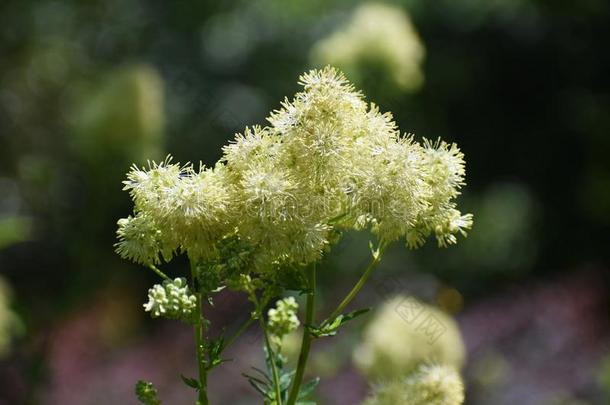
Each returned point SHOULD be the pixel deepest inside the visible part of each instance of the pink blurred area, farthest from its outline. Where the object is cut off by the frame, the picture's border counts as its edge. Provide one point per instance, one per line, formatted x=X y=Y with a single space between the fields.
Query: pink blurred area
x=549 y=338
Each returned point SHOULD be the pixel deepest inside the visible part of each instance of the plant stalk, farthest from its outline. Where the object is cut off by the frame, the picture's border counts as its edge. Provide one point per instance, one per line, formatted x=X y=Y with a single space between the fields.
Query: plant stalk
x=306 y=341
x=274 y=372
x=202 y=396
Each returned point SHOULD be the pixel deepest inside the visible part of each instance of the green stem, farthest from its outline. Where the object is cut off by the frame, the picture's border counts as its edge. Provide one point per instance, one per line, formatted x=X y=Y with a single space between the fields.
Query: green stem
x=358 y=286
x=202 y=398
x=159 y=272
x=274 y=372
x=306 y=342
x=239 y=331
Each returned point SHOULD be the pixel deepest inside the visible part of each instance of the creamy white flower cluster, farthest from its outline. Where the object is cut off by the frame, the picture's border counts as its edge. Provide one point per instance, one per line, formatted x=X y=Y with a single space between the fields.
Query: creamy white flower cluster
x=171 y=300
x=283 y=318
x=428 y=385
x=328 y=161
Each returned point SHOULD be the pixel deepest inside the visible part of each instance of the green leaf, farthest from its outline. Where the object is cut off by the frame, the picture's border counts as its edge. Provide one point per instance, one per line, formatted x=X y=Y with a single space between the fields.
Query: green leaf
x=191 y=382
x=285 y=380
x=329 y=326
x=261 y=389
x=256 y=379
x=259 y=385
x=354 y=314
x=308 y=387
x=217 y=362
x=261 y=372
x=214 y=349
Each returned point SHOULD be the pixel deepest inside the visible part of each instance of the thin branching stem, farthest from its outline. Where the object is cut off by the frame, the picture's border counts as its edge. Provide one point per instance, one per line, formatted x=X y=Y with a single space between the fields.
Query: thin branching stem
x=358 y=286
x=159 y=272
x=242 y=328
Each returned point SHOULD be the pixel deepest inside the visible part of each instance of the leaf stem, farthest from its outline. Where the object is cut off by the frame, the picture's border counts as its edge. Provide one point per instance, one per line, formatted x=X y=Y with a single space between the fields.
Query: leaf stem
x=306 y=341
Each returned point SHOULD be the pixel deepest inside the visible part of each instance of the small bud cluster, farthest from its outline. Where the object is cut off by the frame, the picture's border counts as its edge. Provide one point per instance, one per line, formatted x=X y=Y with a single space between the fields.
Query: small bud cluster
x=428 y=385
x=283 y=318
x=147 y=393
x=171 y=300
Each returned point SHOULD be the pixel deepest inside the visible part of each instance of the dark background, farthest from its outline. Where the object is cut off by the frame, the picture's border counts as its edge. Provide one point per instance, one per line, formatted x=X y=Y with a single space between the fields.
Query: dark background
x=87 y=88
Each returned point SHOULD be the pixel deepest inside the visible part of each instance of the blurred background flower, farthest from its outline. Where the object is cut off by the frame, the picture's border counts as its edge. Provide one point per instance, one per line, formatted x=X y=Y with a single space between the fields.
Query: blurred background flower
x=376 y=36
x=404 y=334
x=10 y=325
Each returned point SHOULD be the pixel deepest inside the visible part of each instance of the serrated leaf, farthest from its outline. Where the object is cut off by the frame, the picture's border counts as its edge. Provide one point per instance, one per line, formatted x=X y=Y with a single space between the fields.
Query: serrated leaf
x=191 y=382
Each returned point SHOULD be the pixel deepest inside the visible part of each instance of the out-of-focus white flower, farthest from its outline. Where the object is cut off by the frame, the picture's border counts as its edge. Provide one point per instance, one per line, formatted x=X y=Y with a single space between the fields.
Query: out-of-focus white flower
x=405 y=333
x=427 y=385
x=10 y=325
x=124 y=114
x=376 y=34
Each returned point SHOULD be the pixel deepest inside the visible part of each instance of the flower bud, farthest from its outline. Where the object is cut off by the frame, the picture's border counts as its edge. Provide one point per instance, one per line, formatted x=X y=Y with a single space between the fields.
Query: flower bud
x=171 y=300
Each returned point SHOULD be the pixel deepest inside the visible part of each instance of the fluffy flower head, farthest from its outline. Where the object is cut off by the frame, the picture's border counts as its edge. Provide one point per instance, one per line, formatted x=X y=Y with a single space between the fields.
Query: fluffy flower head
x=405 y=333
x=428 y=385
x=328 y=161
